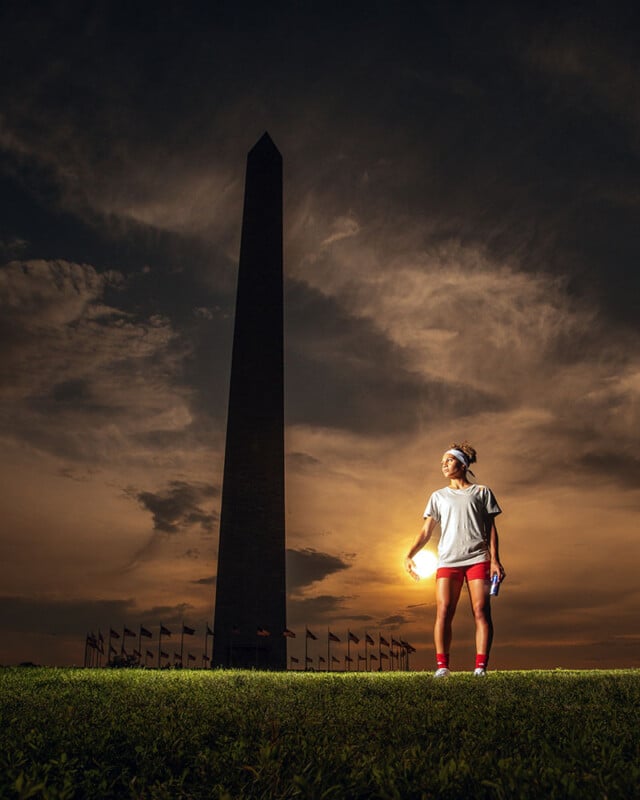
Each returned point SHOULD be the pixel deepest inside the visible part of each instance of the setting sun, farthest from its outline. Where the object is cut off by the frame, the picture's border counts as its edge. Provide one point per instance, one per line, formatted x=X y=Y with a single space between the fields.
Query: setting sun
x=426 y=562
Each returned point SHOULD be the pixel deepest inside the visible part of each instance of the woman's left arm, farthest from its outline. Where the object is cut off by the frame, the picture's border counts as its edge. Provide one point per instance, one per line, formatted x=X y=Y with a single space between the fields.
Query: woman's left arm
x=494 y=551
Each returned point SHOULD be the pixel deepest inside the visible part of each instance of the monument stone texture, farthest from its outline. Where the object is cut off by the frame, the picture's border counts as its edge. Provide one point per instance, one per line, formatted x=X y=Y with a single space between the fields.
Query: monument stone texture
x=250 y=610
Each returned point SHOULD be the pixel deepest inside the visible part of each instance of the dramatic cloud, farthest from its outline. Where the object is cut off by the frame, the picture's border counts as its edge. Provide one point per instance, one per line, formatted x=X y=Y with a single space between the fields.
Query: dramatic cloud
x=84 y=377
x=177 y=507
x=45 y=615
x=323 y=607
x=307 y=566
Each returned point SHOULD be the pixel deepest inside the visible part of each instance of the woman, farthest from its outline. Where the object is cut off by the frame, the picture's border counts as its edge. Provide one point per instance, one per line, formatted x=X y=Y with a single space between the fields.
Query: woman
x=467 y=551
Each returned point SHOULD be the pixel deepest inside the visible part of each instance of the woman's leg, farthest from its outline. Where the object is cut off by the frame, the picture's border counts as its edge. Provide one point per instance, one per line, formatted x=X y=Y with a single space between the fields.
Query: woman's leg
x=480 y=603
x=447 y=596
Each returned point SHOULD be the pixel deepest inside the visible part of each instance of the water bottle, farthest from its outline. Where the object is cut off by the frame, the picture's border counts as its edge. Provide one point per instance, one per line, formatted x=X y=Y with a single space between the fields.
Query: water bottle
x=495 y=585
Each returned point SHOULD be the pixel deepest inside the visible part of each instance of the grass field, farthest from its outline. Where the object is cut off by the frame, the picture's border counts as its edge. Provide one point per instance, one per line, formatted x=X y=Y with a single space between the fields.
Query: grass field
x=143 y=734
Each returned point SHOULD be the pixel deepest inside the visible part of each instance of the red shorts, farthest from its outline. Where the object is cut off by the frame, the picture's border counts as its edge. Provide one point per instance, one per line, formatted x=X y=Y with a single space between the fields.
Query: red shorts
x=472 y=572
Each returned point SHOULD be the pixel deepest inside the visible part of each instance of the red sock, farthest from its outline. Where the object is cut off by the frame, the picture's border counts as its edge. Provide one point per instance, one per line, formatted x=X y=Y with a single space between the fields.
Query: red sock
x=481 y=661
x=442 y=660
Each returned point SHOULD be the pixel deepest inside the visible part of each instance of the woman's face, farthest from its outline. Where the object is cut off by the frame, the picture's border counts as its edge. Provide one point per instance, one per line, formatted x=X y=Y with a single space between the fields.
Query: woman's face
x=451 y=467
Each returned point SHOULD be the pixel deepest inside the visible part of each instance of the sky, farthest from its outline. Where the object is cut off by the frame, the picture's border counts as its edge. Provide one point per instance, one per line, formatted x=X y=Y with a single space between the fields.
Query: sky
x=461 y=256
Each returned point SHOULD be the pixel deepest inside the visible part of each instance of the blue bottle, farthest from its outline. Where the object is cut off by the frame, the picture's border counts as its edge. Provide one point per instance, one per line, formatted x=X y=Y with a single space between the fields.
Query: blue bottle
x=495 y=585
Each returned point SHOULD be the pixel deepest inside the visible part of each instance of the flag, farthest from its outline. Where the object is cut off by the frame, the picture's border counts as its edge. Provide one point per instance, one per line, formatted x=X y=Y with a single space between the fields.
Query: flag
x=163 y=654
x=321 y=660
x=209 y=631
x=206 y=658
x=177 y=657
x=289 y=634
x=189 y=631
x=91 y=641
x=395 y=643
x=145 y=632
x=263 y=632
x=294 y=660
x=149 y=654
x=164 y=631
x=114 y=634
x=335 y=660
x=349 y=659
x=383 y=641
x=113 y=650
x=373 y=657
x=190 y=657
x=311 y=635
x=309 y=660
x=361 y=658
x=137 y=654
x=353 y=637
x=368 y=639
x=382 y=656
x=333 y=637
x=127 y=632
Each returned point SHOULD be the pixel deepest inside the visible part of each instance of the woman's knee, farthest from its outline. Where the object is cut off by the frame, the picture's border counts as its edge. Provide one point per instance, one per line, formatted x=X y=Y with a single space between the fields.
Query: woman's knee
x=445 y=610
x=482 y=610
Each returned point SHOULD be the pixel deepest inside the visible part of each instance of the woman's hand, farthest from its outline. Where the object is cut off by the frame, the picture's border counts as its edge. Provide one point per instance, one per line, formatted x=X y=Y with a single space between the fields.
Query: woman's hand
x=497 y=569
x=410 y=566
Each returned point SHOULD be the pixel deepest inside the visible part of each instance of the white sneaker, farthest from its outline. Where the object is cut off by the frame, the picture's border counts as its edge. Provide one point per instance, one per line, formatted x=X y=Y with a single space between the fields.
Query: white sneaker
x=443 y=672
x=480 y=672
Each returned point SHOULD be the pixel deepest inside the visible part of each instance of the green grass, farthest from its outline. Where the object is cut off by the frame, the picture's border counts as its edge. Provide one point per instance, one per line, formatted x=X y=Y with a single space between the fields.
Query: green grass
x=120 y=734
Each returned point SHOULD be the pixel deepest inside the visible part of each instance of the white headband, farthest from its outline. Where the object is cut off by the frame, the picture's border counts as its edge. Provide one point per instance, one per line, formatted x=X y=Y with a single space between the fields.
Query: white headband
x=460 y=456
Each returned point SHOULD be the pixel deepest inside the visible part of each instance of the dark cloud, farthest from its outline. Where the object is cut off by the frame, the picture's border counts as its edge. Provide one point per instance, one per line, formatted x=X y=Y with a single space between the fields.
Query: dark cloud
x=178 y=506
x=60 y=617
x=315 y=610
x=75 y=396
x=302 y=460
x=345 y=373
x=79 y=476
x=394 y=621
x=209 y=581
x=307 y=566
x=55 y=617
x=598 y=463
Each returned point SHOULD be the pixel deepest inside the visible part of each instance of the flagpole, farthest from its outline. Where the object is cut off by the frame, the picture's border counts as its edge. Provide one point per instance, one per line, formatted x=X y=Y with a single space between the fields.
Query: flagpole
x=159 y=645
x=182 y=645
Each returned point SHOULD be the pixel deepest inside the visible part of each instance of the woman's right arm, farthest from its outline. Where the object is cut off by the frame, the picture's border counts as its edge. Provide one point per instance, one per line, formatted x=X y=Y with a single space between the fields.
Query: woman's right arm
x=421 y=539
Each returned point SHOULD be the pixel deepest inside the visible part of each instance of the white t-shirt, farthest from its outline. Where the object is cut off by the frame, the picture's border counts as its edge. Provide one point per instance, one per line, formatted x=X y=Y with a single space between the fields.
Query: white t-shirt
x=465 y=521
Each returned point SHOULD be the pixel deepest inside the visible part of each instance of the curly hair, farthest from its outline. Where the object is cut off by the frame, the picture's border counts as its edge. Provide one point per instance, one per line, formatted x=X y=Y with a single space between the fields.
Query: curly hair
x=467 y=449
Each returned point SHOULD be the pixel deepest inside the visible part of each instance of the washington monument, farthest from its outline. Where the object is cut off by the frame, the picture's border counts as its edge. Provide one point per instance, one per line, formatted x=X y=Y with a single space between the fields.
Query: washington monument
x=250 y=611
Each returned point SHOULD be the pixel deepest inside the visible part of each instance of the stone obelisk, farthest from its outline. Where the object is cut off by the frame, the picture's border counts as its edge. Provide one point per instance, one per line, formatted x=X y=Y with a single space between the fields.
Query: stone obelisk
x=250 y=610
